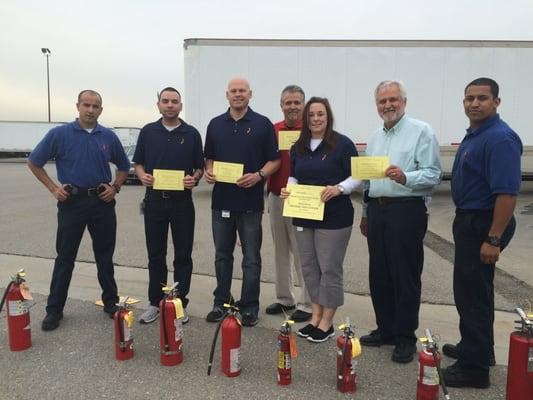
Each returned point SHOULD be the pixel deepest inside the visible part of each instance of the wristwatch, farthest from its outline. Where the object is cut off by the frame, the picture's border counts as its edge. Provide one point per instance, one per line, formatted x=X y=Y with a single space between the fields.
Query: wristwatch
x=493 y=241
x=117 y=188
x=341 y=188
x=261 y=174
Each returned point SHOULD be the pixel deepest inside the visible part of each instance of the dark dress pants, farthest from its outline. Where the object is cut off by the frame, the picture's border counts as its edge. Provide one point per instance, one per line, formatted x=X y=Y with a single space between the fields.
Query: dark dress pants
x=473 y=286
x=395 y=243
x=178 y=213
x=73 y=215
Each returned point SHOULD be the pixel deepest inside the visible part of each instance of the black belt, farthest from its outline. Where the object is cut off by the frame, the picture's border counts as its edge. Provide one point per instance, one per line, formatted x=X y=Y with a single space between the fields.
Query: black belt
x=85 y=192
x=473 y=211
x=166 y=194
x=392 y=200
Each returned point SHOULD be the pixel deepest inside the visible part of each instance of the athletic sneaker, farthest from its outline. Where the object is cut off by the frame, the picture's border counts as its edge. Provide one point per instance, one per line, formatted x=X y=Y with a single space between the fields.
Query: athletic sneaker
x=306 y=330
x=215 y=314
x=319 y=336
x=185 y=318
x=150 y=315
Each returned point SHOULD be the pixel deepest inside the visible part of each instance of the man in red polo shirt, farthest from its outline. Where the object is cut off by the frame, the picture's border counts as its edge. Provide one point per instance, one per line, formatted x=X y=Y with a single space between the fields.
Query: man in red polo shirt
x=292 y=104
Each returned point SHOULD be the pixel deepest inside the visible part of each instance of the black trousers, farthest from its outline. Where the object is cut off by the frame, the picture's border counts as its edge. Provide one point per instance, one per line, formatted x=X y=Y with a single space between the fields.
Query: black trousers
x=395 y=245
x=73 y=215
x=473 y=286
x=160 y=213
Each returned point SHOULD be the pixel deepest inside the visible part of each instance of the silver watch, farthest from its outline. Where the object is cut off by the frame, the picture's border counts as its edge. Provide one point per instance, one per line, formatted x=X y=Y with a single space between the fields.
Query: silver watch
x=341 y=188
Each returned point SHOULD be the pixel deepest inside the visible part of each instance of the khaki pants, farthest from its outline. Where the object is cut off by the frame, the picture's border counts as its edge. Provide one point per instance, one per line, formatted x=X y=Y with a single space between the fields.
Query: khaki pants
x=285 y=246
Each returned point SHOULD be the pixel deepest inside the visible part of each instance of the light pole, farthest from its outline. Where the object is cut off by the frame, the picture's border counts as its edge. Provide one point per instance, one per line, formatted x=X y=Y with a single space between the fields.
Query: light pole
x=47 y=53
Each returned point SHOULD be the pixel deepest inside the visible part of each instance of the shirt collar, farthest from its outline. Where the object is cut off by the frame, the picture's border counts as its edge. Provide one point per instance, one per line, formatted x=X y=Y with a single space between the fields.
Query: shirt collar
x=247 y=116
x=397 y=127
x=298 y=125
x=77 y=126
x=486 y=124
x=179 y=127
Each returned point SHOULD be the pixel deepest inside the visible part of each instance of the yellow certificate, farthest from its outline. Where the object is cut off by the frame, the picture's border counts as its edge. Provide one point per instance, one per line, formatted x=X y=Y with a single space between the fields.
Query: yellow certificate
x=167 y=179
x=287 y=138
x=369 y=167
x=304 y=202
x=227 y=172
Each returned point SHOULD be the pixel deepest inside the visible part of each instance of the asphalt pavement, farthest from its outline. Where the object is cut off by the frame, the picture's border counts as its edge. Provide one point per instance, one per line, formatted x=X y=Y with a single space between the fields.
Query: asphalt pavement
x=77 y=360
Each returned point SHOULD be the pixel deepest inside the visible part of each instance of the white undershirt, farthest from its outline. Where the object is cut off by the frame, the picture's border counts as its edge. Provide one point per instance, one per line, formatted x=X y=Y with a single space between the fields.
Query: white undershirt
x=349 y=184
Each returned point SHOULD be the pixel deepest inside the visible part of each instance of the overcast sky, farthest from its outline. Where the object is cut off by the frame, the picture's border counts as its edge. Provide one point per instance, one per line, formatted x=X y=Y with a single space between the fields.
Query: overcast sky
x=129 y=49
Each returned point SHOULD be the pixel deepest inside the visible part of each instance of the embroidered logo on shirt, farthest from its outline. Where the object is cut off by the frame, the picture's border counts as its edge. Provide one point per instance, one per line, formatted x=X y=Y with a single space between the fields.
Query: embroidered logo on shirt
x=248 y=131
x=182 y=140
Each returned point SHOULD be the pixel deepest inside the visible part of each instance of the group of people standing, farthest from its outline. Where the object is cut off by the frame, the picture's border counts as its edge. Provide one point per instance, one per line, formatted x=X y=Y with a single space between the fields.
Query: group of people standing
x=485 y=183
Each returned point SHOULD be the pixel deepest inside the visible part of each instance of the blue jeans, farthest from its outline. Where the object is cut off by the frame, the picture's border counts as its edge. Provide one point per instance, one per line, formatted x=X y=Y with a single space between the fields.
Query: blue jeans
x=248 y=224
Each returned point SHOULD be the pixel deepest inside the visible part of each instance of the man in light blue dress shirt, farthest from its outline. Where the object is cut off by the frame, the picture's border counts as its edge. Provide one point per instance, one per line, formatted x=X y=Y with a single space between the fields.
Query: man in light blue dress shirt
x=394 y=220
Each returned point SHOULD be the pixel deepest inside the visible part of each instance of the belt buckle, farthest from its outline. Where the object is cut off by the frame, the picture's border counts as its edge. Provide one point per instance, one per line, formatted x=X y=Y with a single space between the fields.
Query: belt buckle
x=92 y=192
x=165 y=195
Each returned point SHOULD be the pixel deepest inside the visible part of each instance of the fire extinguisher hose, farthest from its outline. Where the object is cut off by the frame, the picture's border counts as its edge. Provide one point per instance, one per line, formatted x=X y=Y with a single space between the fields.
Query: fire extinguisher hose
x=441 y=375
x=213 y=345
x=121 y=331
x=5 y=295
x=164 y=323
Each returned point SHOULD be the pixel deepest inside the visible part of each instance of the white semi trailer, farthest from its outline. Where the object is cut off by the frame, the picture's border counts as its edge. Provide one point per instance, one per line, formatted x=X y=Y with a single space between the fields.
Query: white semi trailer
x=20 y=137
x=347 y=71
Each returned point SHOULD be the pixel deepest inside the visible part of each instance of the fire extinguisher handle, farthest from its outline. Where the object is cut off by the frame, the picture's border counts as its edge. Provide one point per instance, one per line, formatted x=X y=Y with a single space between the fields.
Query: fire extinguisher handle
x=5 y=295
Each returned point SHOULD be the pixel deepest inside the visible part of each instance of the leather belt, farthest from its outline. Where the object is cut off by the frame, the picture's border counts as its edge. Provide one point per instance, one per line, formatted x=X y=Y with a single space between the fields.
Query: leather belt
x=393 y=200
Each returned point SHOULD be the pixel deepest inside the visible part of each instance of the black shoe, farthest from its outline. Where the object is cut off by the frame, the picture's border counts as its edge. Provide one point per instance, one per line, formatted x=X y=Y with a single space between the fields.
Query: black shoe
x=51 y=321
x=319 y=336
x=403 y=352
x=277 y=308
x=458 y=376
x=110 y=309
x=451 y=350
x=306 y=330
x=215 y=315
x=300 y=316
x=249 y=319
x=374 y=339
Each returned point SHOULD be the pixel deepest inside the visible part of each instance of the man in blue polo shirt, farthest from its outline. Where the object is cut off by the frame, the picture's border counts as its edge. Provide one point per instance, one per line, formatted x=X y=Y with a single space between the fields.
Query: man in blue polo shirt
x=168 y=144
x=485 y=183
x=82 y=151
x=241 y=136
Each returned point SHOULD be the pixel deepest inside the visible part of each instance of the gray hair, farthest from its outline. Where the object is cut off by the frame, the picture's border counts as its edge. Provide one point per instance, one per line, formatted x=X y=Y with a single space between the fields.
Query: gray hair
x=384 y=84
x=292 y=89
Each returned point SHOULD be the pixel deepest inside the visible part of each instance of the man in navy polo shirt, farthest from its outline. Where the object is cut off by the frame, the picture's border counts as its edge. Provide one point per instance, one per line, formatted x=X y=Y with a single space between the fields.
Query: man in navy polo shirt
x=168 y=144
x=241 y=136
x=82 y=151
x=485 y=182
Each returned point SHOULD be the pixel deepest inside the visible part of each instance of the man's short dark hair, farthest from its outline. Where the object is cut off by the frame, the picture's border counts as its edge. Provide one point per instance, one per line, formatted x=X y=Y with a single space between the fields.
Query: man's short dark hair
x=91 y=92
x=167 y=89
x=293 y=89
x=494 y=88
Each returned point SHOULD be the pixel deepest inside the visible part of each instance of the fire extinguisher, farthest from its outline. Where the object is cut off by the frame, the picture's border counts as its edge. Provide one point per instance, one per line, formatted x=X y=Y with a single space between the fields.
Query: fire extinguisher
x=429 y=370
x=286 y=352
x=520 y=366
x=17 y=295
x=123 y=321
x=230 y=324
x=348 y=349
x=171 y=328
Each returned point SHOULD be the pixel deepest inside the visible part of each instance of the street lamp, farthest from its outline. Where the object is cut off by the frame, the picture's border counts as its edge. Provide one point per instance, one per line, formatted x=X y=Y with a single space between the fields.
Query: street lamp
x=47 y=53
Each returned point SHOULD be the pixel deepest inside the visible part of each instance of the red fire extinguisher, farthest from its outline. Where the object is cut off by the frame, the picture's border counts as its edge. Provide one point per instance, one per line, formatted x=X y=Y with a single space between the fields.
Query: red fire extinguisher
x=17 y=295
x=520 y=366
x=123 y=331
x=230 y=324
x=429 y=370
x=348 y=349
x=286 y=353
x=171 y=328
